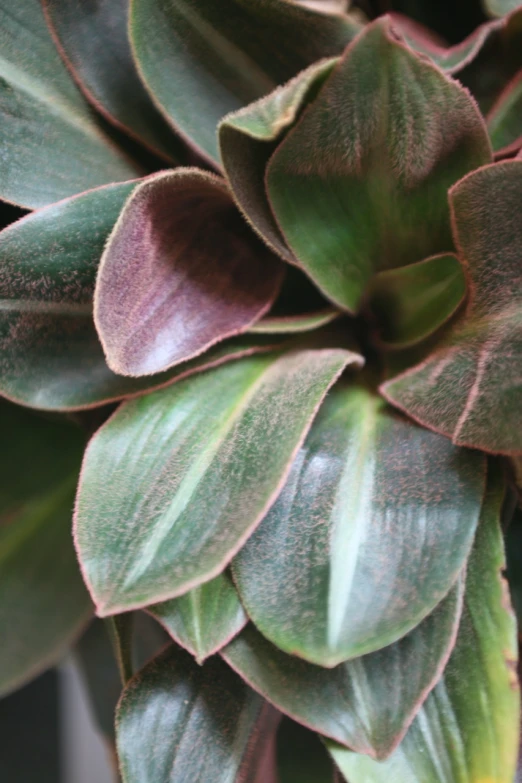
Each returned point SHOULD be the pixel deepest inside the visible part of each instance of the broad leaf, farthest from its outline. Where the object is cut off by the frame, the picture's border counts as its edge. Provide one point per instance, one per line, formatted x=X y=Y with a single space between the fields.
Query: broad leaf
x=175 y=482
x=501 y=7
x=43 y=602
x=347 y=560
x=366 y=703
x=360 y=183
x=470 y=387
x=178 y=722
x=51 y=144
x=294 y=324
x=94 y=43
x=412 y=302
x=204 y=619
x=468 y=729
x=505 y=118
x=224 y=54
x=181 y=271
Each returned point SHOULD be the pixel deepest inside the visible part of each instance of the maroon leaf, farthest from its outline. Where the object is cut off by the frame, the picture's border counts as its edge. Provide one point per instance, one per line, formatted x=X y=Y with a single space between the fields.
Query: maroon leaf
x=181 y=272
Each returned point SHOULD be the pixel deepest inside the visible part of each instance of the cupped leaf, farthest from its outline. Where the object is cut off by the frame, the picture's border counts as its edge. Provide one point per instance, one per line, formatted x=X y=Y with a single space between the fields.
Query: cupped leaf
x=43 y=602
x=51 y=144
x=175 y=482
x=367 y=703
x=505 y=118
x=469 y=388
x=412 y=302
x=347 y=560
x=205 y=619
x=468 y=728
x=501 y=7
x=360 y=183
x=294 y=324
x=181 y=271
x=94 y=44
x=178 y=722
x=224 y=55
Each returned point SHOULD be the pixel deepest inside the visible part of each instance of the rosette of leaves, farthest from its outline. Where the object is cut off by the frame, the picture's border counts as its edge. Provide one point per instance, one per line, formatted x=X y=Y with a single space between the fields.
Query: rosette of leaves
x=270 y=260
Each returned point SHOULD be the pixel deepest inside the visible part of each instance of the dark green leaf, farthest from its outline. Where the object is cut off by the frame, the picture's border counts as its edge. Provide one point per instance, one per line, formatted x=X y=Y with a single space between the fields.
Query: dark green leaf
x=176 y=481
x=505 y=118
x=347 y=560
x=468 y=728
x=181 y=723
x=360 y=183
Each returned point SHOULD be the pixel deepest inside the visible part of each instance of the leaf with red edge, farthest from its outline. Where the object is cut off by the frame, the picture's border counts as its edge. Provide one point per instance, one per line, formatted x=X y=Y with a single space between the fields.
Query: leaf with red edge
x=181 y=271
x=470 y=387
x=93 y=41
x=360 y=183
x=505 y=118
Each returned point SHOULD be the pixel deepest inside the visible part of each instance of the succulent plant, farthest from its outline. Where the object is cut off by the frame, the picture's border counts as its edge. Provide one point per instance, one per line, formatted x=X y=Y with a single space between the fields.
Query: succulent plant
x=261 y=325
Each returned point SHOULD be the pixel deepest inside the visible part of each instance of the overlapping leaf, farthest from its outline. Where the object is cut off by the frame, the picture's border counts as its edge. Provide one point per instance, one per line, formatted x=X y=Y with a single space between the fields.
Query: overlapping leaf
x=224 y=55
x=51 y=144
x=176 y=481
x=348 y=558
x=468 y=728
x=294 y=324
x=181 y=723
x=366 y=703
x=181 y=272
x=505 y=118
x=470 y=387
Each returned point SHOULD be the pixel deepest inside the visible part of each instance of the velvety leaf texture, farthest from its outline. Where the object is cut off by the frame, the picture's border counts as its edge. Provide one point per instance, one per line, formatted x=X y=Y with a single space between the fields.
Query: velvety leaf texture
x=225 y=53
x=468 y=729
x=367 y=703
x=174 y=483
x=51 y=144
x=348 y=558
x=360 y=183
x=178 y=722
x=181 y=271
x=470 y=387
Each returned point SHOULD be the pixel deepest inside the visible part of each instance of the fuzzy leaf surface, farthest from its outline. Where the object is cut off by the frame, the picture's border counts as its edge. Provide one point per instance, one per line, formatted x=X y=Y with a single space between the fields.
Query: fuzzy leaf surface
x=366 y=703
x=204 y=619
x=505 y=118
x=43 y=602
x=181 y=271
x=347 y=560
x=468 y=728
x=51 y=144
x=360 y=183
x=94 y=43
x=179 y=722
x=174 y=483
x=469 y=388
x=224 y=55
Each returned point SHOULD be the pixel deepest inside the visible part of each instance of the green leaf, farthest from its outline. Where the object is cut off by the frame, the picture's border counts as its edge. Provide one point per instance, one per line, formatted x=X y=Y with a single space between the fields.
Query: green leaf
x=181 y=271
x=501 y=7
x=347 y=560
x=43 y=602
x=224 y=55
x=301 y=756
x=294 y=324
x=204 y=619
x=121 y=632
x=178 y=722
x=93 y=41
x=51 y=144
x=174 y=482
x=468 y=729
x=469 y=387
x=366 y=703
x=505 y=118
x=360 y=183
x=412 y=302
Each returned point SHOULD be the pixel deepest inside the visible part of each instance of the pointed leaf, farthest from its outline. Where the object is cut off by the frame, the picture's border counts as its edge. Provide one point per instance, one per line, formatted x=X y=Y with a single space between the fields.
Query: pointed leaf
x=225 y=54
x=51 y=144
x=505 y=118
x=43 y=602
x=204 y=619
x=181 y=723
x=412 y=302
x=193 y=500
x=181 y=271
x=360 y=183
x=294 y=324
x=468 y=728
x=94 y=44
x=456 y=390
x=348 y=558
x=366 y=703
x=501 y=7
